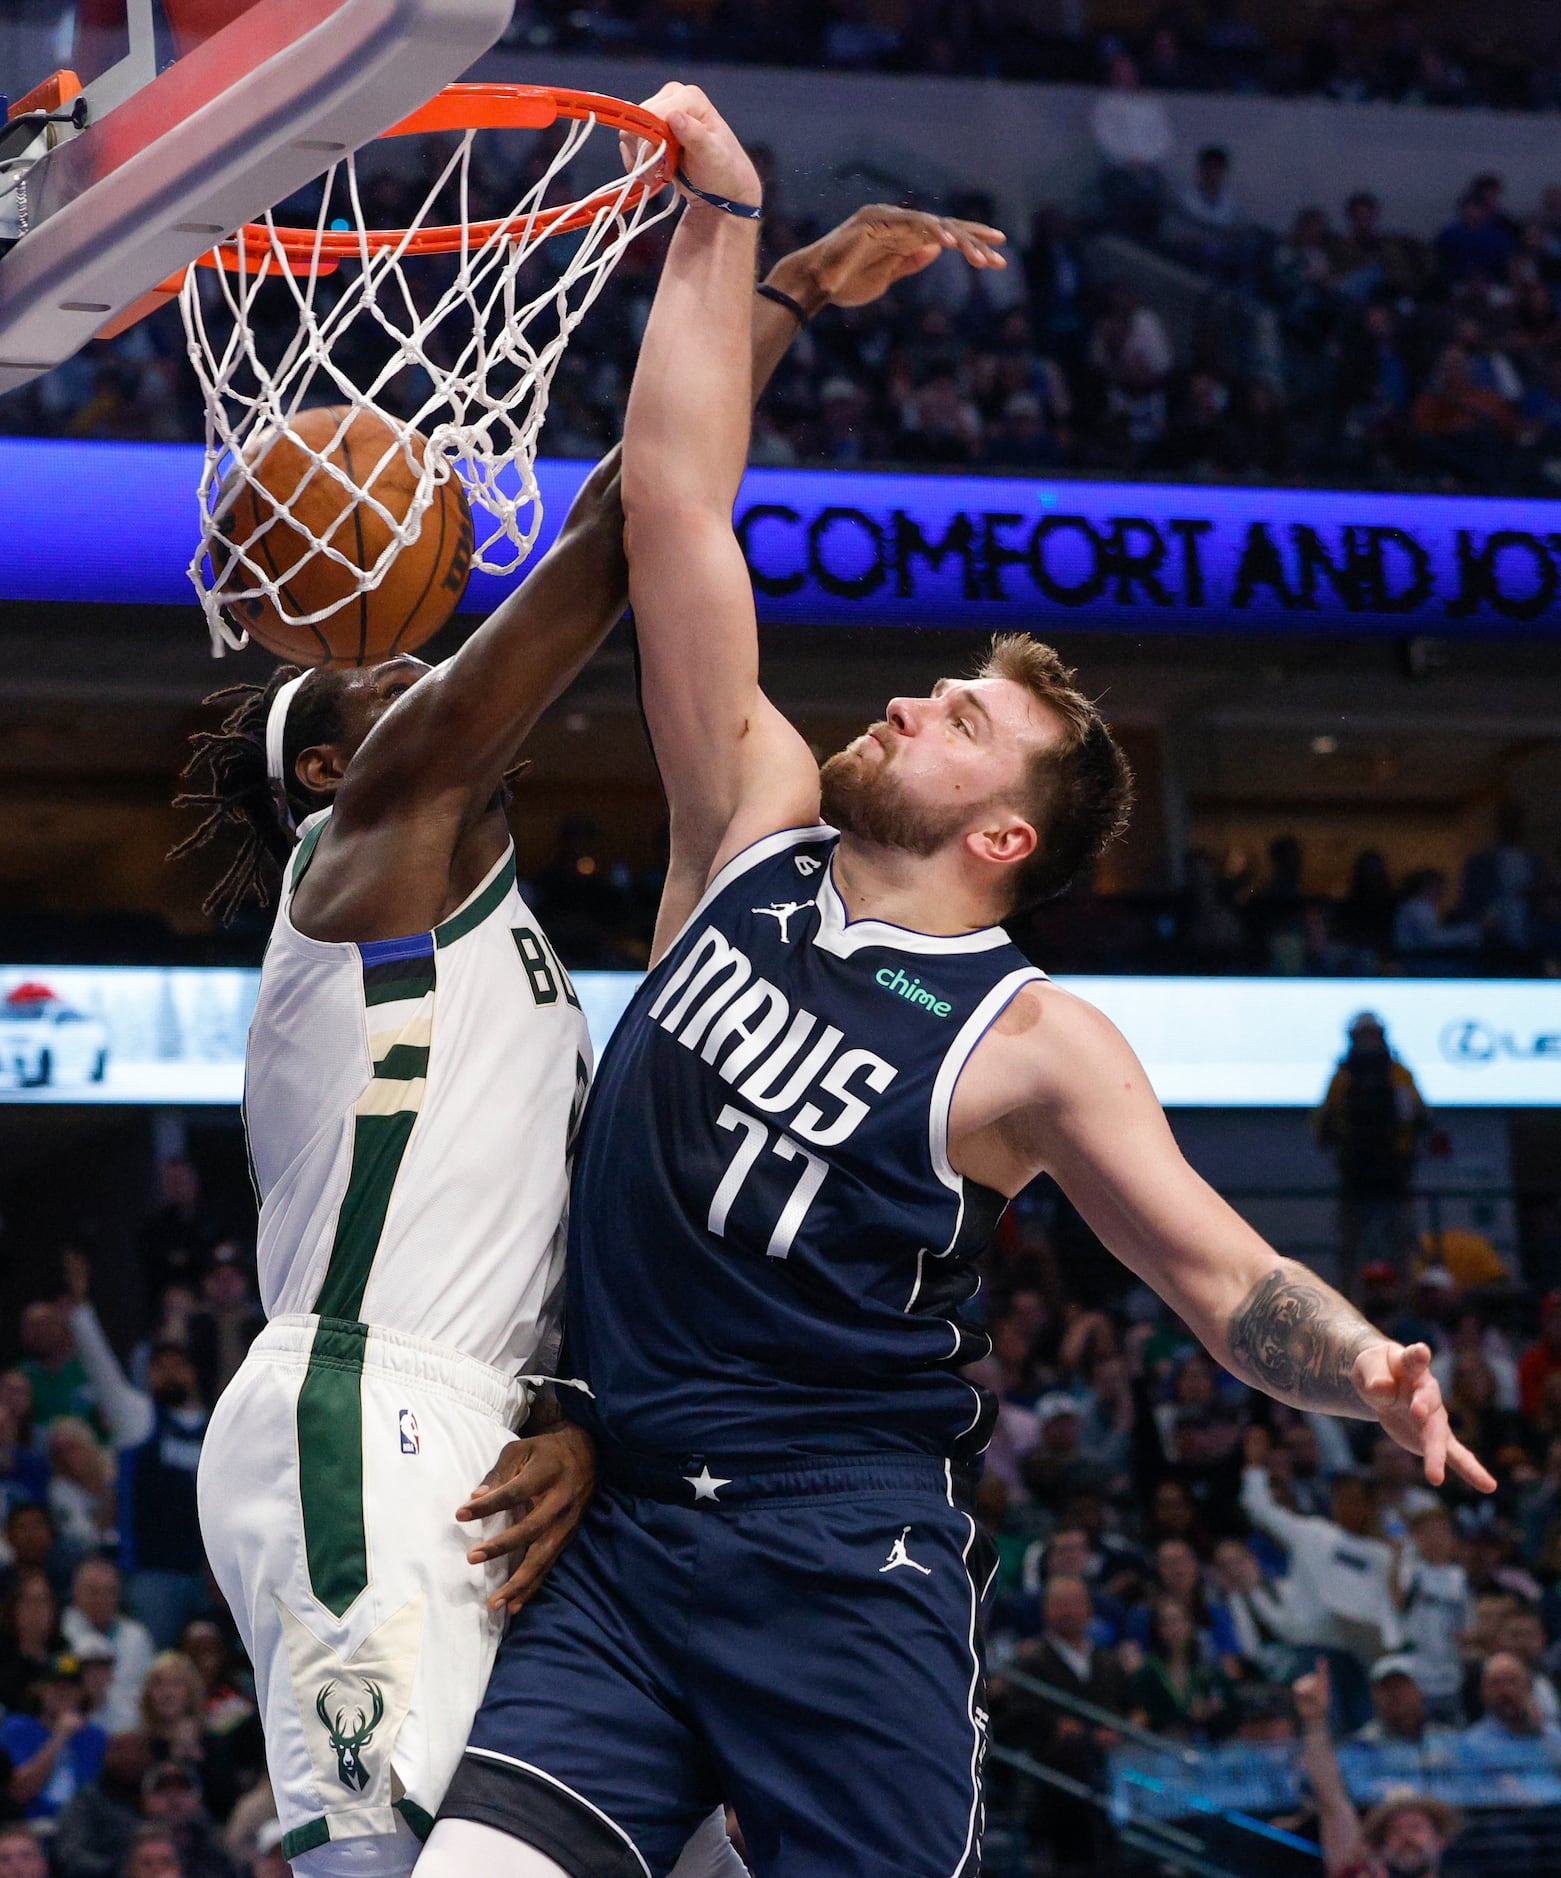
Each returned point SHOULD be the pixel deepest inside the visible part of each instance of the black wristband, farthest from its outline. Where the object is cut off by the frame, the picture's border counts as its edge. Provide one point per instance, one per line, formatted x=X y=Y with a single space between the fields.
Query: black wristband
x=749 y=211
x=795 y=307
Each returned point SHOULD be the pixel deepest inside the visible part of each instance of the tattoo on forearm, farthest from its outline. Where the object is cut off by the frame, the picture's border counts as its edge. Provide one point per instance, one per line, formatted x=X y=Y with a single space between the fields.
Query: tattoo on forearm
x=1297 y=1338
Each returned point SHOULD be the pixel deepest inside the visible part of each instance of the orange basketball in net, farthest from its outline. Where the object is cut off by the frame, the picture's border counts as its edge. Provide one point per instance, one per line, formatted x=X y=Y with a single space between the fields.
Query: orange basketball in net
x=283 y=507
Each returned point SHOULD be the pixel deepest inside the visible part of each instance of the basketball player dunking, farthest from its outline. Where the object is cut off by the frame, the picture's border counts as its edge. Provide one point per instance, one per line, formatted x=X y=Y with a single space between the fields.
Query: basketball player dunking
x=802 y=1131
x=416 y=1066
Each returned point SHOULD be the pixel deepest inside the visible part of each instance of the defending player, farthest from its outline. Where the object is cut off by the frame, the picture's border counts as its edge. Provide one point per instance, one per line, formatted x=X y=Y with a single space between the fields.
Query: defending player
x=416 y=1065
x=802 y=1131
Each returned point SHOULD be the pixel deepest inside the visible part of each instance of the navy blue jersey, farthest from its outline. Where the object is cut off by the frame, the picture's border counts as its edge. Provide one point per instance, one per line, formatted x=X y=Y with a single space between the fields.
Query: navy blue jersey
x=769 y=1251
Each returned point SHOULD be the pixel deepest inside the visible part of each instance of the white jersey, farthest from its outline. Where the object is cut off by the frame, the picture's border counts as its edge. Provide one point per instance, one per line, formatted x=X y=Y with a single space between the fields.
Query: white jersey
x=409 y=1105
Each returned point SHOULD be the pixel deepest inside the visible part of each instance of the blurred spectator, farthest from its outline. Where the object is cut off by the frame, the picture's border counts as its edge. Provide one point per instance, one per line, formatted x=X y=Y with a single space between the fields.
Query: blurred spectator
x=171 y=1801
x=1478 y=242
x=1209 y=228
x=1372 y=1120
x=1432 y=1589
x=173 y=1718
x=158 y=1434
x=24 y=1473
x=1511 y=1732
x=1067 y=1659
x=53 y=1369
x=1542 y=1359
x=175 y=1241
x=1400 y=1837
x=81 y=1490
x=1420 y=932
x=1132 y=132
x=1364 y=919
x=21 y=1855
x=95 y=1615
x=54 y=1749
x=227 y=1320
x=227 y=1691
x=1522 y=1633
x=30 y=1542
x=154 y=1853
x=1399 y=1722
x=1367 y=262
x=1338 y=1595
x=1498 y=881
x=1179 y=1689
x=97 y=1827
x=29 y=1635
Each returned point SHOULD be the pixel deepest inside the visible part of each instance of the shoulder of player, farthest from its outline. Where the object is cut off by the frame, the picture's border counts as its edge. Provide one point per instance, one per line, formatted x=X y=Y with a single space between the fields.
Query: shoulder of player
x=1045 y=1043
x=384 y=879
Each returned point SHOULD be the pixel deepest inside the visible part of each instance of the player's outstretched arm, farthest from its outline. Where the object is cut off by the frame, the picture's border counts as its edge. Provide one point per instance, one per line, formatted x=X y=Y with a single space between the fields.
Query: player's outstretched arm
x=733 y=768
x=1064 y=1094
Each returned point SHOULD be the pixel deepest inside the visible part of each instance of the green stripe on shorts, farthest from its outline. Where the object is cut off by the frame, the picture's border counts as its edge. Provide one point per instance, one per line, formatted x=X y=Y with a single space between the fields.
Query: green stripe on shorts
x=330 y=1464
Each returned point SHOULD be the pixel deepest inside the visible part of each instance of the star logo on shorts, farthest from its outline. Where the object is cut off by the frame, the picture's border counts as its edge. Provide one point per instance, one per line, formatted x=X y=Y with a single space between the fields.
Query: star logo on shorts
x=706 y=1485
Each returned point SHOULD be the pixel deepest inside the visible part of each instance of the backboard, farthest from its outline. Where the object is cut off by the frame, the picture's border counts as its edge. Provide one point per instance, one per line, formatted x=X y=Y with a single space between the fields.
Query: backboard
x=169 y=122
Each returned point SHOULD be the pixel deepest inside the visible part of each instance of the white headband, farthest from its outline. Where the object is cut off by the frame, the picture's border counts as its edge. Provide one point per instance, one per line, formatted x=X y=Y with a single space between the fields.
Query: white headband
x=276 y=731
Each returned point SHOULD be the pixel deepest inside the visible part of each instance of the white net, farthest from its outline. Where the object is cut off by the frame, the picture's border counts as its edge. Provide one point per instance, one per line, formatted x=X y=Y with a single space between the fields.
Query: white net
x=458 y=348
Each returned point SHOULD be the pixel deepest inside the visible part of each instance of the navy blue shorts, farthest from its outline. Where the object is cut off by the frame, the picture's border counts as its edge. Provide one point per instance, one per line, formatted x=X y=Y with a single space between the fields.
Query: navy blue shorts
x=803 y=1647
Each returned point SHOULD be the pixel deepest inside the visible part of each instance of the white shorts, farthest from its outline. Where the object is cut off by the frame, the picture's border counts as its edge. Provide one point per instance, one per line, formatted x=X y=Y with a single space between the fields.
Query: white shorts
x=328 y=1485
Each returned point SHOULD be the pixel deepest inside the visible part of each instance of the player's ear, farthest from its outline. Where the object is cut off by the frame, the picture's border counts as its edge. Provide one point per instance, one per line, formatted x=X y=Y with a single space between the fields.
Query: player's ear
x=1005 y=843
x=321 y=768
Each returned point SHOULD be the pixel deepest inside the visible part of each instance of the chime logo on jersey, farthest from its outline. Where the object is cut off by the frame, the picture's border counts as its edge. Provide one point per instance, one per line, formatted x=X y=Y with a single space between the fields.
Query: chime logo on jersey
x=786 y=1062
x=411 y=1441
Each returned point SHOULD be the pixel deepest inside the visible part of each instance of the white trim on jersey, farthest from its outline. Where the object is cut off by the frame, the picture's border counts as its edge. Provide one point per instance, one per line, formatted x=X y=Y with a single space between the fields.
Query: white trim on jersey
x=972 y=1829
x=960 y=1051
x=841 y=936
x=743 y=862
x=509 y=1760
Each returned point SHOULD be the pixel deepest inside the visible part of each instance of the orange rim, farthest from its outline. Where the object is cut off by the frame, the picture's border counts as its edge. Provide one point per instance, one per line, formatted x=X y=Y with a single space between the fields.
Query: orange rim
x=463 y=108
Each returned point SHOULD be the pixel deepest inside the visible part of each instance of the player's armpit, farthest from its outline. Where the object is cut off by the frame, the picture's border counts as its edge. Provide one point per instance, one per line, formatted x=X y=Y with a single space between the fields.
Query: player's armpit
x=547 y=1480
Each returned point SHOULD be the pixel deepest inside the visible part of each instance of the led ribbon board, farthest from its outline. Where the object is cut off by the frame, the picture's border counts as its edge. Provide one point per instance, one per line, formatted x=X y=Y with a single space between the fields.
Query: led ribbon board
x=840 y=547
x=175 y=1035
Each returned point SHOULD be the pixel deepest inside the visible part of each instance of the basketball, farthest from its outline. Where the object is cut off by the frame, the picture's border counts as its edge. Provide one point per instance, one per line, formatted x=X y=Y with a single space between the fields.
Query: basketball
x=282 y=502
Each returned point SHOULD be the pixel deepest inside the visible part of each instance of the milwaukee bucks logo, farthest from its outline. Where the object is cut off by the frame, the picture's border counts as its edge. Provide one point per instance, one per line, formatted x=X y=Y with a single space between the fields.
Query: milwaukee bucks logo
x=350 y=1741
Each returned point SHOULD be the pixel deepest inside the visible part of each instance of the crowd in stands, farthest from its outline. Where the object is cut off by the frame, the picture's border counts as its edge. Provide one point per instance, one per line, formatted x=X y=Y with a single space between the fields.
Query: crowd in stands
x=1171 y=1547
x=1337 y=350
x=1337 y=52
x=1236 y=911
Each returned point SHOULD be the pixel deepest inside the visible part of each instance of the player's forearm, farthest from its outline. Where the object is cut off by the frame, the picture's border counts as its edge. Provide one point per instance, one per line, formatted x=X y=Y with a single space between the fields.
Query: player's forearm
x=1297 y=1339
x=685 y=437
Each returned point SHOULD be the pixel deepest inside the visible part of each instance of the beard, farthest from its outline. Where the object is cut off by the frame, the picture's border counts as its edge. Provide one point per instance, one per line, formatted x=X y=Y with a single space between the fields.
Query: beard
x=867 y=801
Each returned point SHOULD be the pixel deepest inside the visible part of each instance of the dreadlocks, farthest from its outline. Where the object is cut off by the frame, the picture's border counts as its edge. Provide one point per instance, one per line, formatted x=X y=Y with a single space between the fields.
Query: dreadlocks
x=226 y=780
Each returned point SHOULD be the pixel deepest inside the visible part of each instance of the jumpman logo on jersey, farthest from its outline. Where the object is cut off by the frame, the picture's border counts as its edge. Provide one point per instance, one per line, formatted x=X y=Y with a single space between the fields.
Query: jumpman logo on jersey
x=781 y=913
x=899 y=1556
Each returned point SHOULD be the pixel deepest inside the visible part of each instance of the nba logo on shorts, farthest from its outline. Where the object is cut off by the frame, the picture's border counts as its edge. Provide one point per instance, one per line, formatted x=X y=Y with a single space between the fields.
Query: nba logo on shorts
x=411 y=1443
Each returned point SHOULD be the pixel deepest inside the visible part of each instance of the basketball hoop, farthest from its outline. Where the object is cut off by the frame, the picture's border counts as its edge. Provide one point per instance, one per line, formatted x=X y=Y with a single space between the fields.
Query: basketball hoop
x=461 y=353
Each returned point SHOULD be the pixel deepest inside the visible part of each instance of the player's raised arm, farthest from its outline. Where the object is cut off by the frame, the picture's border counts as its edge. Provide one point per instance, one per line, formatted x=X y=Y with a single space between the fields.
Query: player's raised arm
x=1057 y=1089
x=443 y=750
x=732 y=766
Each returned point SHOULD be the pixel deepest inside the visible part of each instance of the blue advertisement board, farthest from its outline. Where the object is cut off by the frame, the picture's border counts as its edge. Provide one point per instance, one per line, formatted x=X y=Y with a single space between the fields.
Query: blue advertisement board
x=844 y=547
